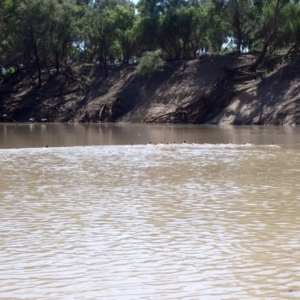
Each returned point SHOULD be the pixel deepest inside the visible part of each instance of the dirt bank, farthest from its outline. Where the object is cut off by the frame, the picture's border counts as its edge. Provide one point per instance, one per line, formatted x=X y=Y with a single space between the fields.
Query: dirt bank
x=198 y=91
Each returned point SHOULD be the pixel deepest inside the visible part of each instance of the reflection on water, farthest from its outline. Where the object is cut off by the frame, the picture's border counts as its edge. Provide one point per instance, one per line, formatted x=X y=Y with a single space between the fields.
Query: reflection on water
x=150 y=222
x=59 y=135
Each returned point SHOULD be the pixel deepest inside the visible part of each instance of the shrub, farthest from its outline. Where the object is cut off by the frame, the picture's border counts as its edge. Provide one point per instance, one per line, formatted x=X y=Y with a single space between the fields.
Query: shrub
x=6 y=73
x=150 y=62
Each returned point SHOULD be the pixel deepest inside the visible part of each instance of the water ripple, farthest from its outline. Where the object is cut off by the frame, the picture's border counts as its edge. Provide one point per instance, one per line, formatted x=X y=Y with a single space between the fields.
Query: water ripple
x=150 y=222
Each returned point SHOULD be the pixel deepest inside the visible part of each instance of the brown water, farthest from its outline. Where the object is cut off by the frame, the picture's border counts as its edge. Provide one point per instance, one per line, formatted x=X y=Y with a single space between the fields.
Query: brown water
x=59 y=135
x=183 y=221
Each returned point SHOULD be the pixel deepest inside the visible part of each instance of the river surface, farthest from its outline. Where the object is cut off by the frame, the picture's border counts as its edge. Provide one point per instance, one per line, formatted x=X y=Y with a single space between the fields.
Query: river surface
x=104 y=219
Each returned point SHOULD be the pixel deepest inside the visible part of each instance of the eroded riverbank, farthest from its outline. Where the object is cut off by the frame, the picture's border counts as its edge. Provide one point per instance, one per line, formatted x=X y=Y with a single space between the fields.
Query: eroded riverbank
x=195 y=91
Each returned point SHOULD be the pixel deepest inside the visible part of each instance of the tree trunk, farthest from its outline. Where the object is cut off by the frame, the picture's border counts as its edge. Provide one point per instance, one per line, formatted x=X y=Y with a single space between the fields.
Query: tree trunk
x=260 y=58
x=48 y=69
x=105 y=66
x=38 y=66
x=101 y=62
x=123 y=54
x=270 y=37
x=238 y=28
x=105 y=58
x=238 y=46
x=57 y=61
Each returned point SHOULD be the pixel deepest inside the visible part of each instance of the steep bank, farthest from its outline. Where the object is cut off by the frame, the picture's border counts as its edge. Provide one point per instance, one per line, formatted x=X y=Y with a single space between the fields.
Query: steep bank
x=197 y=91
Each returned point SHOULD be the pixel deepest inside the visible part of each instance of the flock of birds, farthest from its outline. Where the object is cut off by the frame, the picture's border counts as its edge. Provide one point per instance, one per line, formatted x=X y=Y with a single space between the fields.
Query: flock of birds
x=171 y=143
x=194 y=143
x=32 y=120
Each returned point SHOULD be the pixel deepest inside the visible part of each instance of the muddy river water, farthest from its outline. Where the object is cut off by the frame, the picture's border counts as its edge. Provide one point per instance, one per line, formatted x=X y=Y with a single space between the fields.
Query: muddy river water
x=94 y=217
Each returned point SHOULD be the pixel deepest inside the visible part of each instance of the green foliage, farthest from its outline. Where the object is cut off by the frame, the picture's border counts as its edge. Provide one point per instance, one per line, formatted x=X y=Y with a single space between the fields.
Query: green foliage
x=110 y=30
x=150 y=62
x=294 y=24
x=85 y=80
x=5 y=74
x=240 y=17
x=9 y=71
x=88 y=65
x=180 y=32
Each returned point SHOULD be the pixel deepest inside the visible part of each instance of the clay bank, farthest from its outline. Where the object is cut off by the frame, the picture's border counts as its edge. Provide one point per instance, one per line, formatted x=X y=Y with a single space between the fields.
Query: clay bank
x=199 y=91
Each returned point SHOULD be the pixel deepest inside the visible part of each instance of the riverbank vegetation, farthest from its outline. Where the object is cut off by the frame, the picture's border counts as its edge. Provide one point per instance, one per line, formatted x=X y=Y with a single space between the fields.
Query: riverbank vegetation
x=54 y=34
x=77 y=60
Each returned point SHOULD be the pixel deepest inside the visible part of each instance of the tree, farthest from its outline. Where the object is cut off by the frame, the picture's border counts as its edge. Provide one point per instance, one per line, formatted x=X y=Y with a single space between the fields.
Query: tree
x=61 y=30
x=31 y=26
x=180 y=32
x=123 y=22
x=100 y=34
x=7 y=41
x=273 y=18
x=294 y=29
x=241 y=16
x=102 y=30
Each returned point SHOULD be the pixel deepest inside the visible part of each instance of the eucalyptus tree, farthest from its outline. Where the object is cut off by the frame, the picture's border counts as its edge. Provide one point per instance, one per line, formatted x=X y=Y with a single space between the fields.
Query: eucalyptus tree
x=100 y=35
x=123 y=21
x=216 y=33
x=152 y=8
x=180 y=31
x=294 y=28
x=10 y=49
x=241 y=16
x=29 y=26
x=274 y=14
x=34 y=38
x=61 y=33
x=108 y=4
x=148 y=24
x=176 y=26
